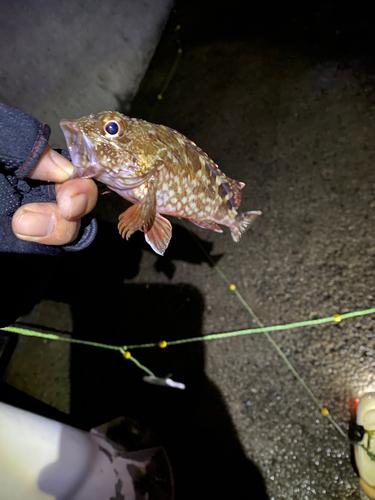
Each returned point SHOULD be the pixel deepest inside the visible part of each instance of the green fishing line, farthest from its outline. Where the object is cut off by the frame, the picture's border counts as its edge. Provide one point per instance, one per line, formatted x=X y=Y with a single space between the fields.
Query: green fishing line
x=124 y=350
x=216 y=336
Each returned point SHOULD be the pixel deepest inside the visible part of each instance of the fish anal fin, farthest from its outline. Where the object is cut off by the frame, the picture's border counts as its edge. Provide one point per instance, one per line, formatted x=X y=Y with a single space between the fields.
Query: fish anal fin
x=242 y=223
x=206 y=224
x=140 y=215
x=159 y=236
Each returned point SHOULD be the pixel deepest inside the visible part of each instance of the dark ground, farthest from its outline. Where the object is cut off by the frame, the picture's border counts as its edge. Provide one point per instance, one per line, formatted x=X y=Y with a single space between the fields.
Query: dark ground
x=285 y=102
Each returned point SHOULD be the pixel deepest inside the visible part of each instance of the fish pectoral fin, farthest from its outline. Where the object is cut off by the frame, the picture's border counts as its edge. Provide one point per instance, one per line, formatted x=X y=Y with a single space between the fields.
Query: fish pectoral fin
x=206 y=224
x=139 y=216
x=159 y=236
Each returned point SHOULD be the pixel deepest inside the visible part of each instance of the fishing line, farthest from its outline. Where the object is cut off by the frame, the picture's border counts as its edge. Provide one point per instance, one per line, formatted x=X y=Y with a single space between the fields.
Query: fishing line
x=240 y=298
x=171 y=73
x=337 y=317
x=123 y=349
x=214 y=336
x=175 y=64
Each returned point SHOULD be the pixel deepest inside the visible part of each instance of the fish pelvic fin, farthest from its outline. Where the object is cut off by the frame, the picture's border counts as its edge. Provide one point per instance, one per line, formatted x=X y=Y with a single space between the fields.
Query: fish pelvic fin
x=159 y=236
x=139 y=216
x=242 y=223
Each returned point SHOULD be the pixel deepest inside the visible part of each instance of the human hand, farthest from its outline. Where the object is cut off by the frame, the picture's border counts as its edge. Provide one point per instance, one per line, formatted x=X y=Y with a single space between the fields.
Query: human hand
x=55 y=223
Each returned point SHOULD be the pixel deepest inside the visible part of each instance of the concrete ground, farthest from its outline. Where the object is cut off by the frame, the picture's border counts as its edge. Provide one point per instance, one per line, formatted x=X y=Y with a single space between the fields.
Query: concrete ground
x=285 y=102
x=76 y=56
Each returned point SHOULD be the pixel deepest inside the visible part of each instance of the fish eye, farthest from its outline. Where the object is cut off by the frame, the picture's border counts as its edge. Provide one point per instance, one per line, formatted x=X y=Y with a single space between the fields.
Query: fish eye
x=111 y=127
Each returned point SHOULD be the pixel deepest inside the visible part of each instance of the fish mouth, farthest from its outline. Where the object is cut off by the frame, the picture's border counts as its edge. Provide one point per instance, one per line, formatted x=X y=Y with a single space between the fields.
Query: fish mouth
x=81 y=150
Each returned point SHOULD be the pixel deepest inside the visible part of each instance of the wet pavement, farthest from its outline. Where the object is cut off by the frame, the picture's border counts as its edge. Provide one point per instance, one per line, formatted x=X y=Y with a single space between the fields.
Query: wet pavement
x=288 y=108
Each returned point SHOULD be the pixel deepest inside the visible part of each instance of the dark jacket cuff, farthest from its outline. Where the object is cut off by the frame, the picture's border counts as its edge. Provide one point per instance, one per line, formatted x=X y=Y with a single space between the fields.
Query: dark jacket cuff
x=21 y=156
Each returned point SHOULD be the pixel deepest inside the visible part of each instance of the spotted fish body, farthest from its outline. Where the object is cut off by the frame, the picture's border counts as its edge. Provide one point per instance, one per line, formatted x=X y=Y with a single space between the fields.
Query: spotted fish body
x=160 y=171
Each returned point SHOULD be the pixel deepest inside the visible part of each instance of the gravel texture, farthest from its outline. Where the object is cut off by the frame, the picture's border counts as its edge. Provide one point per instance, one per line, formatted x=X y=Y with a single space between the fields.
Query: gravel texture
x=288 y=108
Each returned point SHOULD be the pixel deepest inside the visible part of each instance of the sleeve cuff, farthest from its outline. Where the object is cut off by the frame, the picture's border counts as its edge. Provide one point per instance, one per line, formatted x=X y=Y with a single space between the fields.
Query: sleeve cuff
x=37 y=151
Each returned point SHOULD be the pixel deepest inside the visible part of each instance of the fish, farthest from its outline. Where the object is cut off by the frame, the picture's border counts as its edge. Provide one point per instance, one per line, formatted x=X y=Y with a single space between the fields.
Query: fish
x=160 y=171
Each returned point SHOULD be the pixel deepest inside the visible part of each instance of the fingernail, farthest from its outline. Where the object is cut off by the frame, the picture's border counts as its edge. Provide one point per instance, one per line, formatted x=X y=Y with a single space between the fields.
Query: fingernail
x=34 y=224
x=62 y=162
x=78 y=205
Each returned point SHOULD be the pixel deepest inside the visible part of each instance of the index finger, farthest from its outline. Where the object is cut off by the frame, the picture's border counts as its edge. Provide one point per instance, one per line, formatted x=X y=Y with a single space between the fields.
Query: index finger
x=52 y=167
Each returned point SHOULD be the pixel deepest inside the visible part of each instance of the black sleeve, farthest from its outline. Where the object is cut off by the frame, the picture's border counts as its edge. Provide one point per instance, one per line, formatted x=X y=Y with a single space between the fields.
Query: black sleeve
x=23 y=140
x=27 y=267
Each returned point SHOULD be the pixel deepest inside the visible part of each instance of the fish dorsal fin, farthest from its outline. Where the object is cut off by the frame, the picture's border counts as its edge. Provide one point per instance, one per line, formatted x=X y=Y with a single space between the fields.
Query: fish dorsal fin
x=230 y=190
x=236 y=188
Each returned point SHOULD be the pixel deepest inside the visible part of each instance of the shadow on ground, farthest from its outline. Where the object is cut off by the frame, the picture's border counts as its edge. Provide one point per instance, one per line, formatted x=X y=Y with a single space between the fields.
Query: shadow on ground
x=193 y=425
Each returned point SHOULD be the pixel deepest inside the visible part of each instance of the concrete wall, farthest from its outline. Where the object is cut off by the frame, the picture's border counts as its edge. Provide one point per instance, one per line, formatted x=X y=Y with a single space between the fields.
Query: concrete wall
x=71 y=58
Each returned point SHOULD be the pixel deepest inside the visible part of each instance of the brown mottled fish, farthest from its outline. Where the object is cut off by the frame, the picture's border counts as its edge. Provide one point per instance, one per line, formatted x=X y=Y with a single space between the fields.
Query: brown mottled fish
x=157 y=169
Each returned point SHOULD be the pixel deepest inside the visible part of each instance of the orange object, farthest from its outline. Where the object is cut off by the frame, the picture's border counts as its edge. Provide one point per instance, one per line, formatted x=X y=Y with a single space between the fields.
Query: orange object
x=160 y=171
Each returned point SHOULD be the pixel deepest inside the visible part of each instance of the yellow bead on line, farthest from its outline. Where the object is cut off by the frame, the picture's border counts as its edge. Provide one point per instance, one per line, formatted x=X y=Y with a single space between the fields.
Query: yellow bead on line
x=337 y=318
x=162 y=344
x=324 y=412
x=127 y=355
x=160 y=97
x=232 y=287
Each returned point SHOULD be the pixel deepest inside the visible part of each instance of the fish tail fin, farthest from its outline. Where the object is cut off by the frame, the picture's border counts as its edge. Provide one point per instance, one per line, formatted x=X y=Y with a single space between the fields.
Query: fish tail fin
x=242 y=223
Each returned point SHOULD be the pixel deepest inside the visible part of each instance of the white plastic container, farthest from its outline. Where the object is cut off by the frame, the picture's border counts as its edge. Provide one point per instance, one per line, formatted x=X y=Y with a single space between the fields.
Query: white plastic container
x=43 y=459
x=366 y=466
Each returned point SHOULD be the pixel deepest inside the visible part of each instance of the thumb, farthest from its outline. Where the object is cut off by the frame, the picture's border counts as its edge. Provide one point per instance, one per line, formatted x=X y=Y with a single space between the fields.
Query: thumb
x=43 y=223
x=52 y=167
